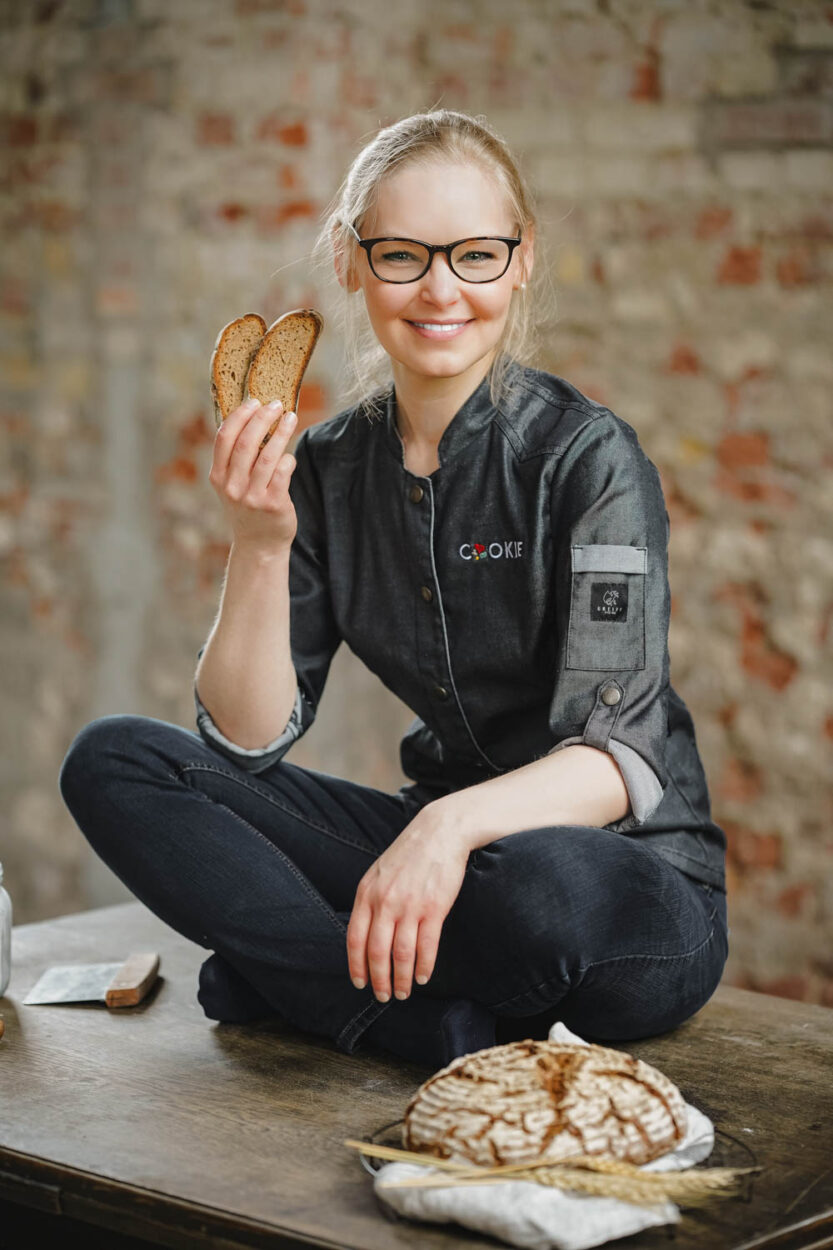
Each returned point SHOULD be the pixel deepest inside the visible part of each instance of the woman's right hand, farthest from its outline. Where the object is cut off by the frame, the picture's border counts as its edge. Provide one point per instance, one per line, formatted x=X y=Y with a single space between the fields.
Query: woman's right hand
x=252 y=480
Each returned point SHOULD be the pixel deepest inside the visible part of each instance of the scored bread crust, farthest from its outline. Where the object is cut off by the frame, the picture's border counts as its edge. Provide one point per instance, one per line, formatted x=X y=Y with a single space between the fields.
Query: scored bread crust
x=533 y=1100
x=278 y=365
x=231 y=358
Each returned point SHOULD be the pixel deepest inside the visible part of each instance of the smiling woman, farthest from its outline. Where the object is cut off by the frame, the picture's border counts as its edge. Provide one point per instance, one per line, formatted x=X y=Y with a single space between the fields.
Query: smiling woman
x=493 y=545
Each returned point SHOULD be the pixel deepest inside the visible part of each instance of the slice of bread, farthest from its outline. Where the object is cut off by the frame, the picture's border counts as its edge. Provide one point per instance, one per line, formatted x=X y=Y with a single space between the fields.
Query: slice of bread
x=281 y=358
x=234 y=348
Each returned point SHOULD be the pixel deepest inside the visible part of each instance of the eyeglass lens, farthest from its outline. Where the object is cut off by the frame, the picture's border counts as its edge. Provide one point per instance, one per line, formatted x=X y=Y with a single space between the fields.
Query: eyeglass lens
x=474 y=260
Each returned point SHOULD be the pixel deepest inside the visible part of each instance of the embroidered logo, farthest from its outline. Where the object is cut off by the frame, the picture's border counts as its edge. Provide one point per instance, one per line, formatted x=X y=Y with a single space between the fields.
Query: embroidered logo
x=511 y=549
x=609 y=601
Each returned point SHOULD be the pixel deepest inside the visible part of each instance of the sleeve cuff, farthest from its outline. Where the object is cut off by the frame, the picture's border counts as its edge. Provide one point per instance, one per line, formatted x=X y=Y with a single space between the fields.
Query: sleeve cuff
x=255 y=759
x=641 y=782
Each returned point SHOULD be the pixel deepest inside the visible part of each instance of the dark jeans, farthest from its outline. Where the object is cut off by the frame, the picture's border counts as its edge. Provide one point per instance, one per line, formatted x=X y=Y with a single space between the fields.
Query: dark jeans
x=581 y=923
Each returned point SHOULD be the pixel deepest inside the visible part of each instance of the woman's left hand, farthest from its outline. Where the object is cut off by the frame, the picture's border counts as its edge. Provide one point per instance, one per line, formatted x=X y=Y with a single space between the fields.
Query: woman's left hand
x=401 y=903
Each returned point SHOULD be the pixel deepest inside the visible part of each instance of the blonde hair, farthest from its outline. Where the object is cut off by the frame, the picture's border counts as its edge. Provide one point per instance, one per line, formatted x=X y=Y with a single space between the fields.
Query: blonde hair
x=423 y=137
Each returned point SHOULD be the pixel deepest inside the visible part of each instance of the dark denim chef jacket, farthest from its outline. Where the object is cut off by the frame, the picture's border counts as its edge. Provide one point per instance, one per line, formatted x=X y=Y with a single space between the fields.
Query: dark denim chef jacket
x=516 y=599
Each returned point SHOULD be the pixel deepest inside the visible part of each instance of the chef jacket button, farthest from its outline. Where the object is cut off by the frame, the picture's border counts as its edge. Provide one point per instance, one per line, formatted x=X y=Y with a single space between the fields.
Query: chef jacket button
x=415 y=493
x=441 y=692
x=610 y=695
x=426 y=593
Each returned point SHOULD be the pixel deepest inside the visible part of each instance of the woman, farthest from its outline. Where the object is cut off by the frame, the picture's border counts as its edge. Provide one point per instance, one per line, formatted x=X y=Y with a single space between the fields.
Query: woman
x=492 y=544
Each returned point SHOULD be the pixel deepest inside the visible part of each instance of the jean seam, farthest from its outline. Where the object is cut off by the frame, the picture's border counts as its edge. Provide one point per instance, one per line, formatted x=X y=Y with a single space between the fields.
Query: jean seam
x=285 y=858
x=598 y=963
x=532 y=989
x=198 y=766
x=352 y=1030
x=348 y=1032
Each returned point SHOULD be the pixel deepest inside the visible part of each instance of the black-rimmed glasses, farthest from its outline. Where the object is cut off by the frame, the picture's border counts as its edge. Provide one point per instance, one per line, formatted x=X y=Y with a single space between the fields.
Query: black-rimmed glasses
x=483 y=258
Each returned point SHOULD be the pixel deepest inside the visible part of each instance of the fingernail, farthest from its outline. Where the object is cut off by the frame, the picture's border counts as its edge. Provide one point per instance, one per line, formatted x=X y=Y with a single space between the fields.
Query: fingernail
x=383 y=998
x=289 y=418
x=422 y=979
x=359 y=983
x=401 y=993
x=251 y=404
x=274 y=405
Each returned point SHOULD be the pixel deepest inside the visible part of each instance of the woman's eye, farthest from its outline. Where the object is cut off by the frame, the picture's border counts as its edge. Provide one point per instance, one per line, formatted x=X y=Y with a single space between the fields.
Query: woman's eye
x=399 y=255
x=473 y=255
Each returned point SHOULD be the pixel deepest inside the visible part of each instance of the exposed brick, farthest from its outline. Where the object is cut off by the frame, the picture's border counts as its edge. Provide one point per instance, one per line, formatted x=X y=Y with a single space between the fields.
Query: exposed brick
x=747 y=848
x=293 y=134
x=647 y=83
x=713 y=221
x=828 y=725
x=759 y=656
x=15 y=297
x=727 y=714
x=273 y=217
x=232 y=212
x=798 y=267
x=195 y=433
x=180 y=469
x=358 y=90
x=21 y=131
x=740 y=266
x=312 y=404
x=289 y=178
x=736 y=451
x=754 y=491
x=740 y=781
x=684 y=359
x=795 y=987
x=791 y=900
x=215 y=129
x=768 y=122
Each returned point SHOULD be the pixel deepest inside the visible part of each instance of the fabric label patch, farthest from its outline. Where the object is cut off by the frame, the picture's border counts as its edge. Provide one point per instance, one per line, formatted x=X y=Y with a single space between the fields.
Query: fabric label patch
x=609 y=601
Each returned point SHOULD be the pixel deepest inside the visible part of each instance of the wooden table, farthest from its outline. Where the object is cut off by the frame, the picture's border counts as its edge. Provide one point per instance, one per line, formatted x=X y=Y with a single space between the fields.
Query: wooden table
x=158 y=1124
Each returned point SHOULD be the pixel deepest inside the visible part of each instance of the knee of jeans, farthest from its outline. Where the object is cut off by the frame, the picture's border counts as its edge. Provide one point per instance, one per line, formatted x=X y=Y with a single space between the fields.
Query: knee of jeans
x=530 y=906
x=94 y=747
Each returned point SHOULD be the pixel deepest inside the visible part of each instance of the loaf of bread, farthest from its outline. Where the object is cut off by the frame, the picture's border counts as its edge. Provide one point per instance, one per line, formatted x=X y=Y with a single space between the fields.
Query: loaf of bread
x=534 y=1100
x=250 y=361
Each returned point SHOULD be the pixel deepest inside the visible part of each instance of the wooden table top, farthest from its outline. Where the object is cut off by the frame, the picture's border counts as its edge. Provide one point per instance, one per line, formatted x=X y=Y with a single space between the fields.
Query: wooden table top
x=158 y=1122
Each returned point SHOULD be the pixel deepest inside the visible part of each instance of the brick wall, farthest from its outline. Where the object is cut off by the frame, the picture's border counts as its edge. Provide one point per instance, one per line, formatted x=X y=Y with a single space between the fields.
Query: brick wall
x=163 y=170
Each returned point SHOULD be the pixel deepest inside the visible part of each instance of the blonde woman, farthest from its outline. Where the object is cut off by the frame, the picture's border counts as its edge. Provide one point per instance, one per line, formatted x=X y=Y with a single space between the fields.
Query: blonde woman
x=493 y=545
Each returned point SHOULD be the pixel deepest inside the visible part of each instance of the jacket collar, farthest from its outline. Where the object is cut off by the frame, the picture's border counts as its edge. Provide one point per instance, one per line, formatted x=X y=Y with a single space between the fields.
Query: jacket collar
x=469 y=420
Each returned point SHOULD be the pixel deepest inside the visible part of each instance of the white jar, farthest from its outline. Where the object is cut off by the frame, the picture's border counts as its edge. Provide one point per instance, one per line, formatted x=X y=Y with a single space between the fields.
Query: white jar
x=5 y=937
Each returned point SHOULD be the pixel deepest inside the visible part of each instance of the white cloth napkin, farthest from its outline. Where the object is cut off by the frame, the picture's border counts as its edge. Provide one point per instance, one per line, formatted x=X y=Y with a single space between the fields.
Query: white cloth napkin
x=524 y=1213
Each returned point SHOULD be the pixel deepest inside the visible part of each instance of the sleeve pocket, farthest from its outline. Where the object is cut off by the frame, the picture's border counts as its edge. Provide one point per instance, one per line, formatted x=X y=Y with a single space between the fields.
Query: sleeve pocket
x=606 y=629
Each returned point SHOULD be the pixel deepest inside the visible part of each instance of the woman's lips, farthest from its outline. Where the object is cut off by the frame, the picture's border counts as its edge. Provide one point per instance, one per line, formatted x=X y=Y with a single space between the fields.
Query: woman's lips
x=436 y=334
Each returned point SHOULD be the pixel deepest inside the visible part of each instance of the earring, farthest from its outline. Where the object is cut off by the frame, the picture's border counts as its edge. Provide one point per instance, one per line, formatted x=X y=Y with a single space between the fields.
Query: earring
x=523 y=286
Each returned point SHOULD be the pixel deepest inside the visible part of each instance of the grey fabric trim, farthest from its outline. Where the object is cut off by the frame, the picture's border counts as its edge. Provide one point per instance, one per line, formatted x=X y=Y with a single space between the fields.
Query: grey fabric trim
x=606 y=558
x=292 y=731
x=641 y=782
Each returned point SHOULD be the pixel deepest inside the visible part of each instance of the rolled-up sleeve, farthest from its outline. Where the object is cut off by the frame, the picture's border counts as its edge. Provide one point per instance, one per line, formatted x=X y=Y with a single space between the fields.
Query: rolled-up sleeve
x=610 y=532
x=314 y=634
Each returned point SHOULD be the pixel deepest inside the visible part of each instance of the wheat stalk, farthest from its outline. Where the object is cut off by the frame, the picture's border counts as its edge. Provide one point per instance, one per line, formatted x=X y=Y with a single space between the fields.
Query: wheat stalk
x=587 y=1174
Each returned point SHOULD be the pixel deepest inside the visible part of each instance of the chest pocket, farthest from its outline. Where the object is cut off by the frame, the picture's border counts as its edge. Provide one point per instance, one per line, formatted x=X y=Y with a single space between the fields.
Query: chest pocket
x=606 y=629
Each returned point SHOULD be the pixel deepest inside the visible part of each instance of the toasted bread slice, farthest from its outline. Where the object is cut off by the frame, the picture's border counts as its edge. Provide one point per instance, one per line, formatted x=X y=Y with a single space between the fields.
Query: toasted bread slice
x=281 y=358
x=236 y=344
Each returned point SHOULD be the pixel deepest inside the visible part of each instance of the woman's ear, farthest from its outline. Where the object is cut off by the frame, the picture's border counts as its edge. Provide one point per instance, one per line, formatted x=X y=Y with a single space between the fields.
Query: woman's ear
x=527 y=253
x=344 y=270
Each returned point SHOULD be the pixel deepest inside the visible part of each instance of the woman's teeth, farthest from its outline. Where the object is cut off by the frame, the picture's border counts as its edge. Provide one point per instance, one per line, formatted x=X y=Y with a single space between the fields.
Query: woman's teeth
x=446 y=328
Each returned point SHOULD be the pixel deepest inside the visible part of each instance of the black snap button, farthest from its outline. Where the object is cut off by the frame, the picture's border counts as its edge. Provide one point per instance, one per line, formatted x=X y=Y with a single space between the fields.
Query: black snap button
x=415 y=494
x=441 y=692
x=426 y=593
x=611 y=696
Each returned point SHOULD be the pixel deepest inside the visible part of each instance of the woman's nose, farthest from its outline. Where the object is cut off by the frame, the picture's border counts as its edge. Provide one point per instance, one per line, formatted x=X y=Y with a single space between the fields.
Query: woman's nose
x=440 y=281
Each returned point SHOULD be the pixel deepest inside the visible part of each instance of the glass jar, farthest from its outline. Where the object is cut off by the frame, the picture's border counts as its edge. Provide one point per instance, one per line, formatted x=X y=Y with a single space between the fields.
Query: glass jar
x=5 y=937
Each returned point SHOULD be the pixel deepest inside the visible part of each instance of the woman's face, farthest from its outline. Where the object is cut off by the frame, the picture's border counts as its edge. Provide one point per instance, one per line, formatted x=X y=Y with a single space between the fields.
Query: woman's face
x=440 y=203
